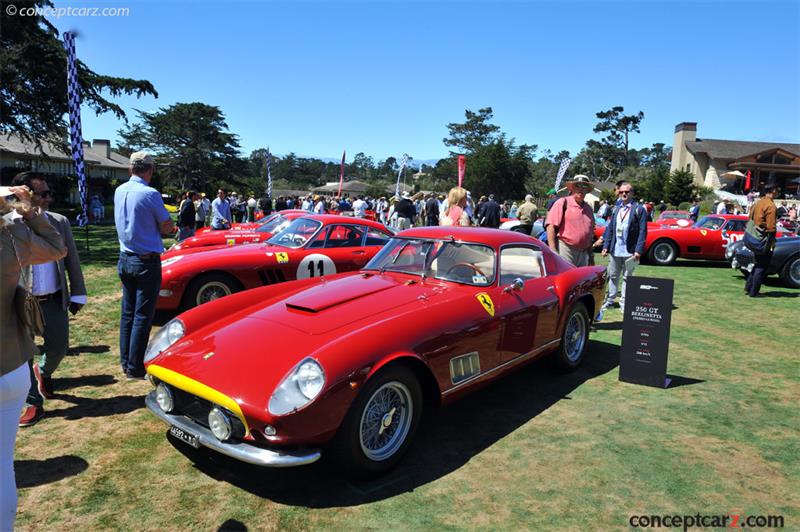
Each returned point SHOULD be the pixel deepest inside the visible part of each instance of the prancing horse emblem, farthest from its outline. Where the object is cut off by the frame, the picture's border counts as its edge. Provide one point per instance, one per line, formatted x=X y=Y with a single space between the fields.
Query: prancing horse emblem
x=486 y=302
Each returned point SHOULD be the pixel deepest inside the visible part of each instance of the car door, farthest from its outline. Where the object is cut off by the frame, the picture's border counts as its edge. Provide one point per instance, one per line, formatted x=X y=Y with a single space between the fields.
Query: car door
x=528 y=312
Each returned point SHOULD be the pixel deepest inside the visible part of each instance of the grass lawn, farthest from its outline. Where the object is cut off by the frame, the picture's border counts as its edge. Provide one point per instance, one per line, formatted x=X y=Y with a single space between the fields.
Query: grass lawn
x=538 y=450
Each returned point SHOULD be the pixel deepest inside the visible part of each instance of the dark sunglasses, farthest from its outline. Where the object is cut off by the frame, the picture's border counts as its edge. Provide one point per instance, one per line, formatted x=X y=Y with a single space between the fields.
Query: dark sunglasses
x=624 y=192
x=44 y=194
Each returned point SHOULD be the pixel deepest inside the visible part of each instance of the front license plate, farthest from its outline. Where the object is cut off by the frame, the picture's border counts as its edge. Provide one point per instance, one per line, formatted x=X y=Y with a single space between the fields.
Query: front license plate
x=184 y=436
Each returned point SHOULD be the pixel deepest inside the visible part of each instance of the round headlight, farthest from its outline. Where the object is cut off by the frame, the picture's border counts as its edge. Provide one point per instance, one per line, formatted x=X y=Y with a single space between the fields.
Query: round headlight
x=175 y=331
x=219 y=424
x=164 y=397
x=310 y=378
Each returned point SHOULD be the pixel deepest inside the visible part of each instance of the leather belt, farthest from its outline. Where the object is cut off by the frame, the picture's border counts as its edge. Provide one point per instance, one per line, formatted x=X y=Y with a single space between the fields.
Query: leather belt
x=48 y=296
x=143 y=257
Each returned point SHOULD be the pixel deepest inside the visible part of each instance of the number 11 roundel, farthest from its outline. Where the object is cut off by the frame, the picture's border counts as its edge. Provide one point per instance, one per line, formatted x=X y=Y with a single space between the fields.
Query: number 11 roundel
x=315 y=265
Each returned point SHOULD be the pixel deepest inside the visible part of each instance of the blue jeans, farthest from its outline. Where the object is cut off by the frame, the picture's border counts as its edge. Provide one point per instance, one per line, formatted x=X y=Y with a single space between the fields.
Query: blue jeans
x=753 y=284
x=141 y=281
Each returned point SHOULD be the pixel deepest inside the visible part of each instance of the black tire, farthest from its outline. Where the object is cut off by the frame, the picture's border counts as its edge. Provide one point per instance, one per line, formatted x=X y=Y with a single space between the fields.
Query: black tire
x=663 y=252
x=363 y=459
x=574 y=339
x=790 y=273
x=208 y=287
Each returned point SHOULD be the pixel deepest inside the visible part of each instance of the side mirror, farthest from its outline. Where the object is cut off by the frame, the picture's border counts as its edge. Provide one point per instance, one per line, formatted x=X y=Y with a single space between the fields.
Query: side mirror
x=516 y=285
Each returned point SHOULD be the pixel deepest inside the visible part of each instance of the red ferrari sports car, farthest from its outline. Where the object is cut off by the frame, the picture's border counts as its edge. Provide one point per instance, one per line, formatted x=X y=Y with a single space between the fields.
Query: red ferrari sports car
x=706 y=239
x=243 y=233
x=347 y=363
x=311 y=246
x=674 y=219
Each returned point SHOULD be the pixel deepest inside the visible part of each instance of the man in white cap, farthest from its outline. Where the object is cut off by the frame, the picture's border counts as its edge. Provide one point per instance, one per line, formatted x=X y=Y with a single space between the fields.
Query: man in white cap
x=570 y=223
x=527 y=214
x=141 y=219
x=405 y=211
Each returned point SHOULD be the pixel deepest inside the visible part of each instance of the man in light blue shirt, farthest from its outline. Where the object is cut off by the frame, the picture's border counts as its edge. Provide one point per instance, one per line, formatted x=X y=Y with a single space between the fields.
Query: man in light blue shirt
x=220 y=212
x=141 y=219
x=624 y=240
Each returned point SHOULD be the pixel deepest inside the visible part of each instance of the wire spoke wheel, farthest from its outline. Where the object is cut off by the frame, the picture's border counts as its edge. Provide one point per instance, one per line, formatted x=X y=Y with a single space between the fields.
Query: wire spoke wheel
x=575 y=337
x=212 y=290
x=385 y=421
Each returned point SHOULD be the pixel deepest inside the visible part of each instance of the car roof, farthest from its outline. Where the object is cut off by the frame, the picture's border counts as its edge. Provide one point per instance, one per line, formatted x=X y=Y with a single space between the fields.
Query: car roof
x=328 y=219
x=491 y=237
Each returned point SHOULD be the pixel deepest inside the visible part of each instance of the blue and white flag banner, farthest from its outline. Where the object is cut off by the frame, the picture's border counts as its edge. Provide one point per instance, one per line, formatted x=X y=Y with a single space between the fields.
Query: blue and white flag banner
x=561 y=171
x=75 y=133
x=403 y=164
x=269 y=174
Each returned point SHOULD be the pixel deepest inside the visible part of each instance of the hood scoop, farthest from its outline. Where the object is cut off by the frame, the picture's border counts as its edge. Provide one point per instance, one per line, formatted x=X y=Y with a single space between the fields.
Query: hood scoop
x=333 y=293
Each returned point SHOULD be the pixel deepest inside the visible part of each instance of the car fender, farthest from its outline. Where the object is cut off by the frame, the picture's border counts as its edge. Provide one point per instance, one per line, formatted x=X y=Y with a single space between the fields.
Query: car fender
x=575 y=284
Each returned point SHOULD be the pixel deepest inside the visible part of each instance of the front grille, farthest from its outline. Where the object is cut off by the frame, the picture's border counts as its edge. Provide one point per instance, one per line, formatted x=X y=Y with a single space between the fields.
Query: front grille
x=197 y=409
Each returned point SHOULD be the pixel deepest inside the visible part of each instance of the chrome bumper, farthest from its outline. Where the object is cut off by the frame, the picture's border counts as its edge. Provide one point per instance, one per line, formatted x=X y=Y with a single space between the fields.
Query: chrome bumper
x=240 y=451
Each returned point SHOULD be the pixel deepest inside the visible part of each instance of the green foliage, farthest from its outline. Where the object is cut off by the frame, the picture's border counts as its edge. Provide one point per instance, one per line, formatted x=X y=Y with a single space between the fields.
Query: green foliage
x=618 y=128
x=33 y=67
x=192 y=146
x=474 y=133
x=679 y=187
x=684 y=206
x=494 y=164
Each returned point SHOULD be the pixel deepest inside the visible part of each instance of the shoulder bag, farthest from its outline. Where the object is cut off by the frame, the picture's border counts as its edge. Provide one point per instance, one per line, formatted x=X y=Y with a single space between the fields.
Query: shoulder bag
x=29 y=313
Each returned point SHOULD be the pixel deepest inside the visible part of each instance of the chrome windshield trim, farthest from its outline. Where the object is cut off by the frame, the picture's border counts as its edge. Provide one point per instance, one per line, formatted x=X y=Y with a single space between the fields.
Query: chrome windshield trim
x=240 y=451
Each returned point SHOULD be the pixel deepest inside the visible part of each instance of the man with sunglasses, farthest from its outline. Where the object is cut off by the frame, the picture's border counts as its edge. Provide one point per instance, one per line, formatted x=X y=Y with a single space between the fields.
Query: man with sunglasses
x=55 y=295
x=623 y=240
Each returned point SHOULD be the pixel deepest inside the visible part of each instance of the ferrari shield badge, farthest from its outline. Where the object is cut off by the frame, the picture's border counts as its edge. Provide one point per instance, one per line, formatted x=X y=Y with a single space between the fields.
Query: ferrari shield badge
x=486 y=303
x=703 y=232
x=230 y=241
x=282 y=257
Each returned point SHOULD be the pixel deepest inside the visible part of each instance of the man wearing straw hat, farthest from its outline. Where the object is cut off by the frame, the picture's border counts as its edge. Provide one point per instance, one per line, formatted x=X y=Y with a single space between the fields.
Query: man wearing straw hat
x=570 y=223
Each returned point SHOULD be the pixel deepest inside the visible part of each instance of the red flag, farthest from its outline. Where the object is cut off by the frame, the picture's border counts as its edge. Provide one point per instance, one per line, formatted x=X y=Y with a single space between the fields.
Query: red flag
x=747 y=182
x=341 y=175
x=462 y=168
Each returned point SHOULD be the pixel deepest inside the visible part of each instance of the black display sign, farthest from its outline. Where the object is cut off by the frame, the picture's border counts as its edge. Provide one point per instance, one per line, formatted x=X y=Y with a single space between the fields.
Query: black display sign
x=645 y=331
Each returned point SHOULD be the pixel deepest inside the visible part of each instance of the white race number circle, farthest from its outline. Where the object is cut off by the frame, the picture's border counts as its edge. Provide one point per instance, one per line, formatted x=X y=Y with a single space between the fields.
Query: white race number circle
x=315 y=265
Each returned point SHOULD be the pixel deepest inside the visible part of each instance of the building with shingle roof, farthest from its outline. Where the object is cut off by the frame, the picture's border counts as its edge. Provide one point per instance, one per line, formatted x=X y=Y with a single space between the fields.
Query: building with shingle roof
x=724 y=164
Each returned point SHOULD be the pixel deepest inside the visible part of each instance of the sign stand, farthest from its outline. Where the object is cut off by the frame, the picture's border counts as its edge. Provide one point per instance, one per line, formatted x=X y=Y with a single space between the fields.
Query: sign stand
x=645 y=331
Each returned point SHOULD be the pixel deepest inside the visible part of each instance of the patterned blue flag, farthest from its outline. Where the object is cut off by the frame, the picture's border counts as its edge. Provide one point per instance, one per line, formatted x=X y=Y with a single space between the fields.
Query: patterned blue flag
x=561 y=171
x=269 y=174
x=75 y=133
x=403 y=164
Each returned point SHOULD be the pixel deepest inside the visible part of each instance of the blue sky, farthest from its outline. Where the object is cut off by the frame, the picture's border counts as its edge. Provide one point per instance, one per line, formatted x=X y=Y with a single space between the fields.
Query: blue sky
x=385 y=78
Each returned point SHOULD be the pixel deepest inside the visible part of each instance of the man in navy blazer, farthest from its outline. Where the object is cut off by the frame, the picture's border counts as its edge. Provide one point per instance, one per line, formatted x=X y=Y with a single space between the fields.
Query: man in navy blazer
x=623 y=240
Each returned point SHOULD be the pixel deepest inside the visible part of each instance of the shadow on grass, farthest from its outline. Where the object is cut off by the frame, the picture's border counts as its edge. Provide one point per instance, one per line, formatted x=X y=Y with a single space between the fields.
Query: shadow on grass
x=677 y=380
x=781 y=294
x=67 y=383
x=232 y=525
x=94 y=349
x=84 y=407
x=31 y=473
x=447 y=439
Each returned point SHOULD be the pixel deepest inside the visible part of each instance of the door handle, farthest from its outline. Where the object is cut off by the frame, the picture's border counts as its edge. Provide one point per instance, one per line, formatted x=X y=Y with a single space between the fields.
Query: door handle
x=551 y=288
x=359 y=252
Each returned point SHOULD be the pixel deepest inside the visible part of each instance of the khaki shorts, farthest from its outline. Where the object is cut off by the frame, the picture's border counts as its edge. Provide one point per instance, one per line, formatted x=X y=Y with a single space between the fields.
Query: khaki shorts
x=573 y=255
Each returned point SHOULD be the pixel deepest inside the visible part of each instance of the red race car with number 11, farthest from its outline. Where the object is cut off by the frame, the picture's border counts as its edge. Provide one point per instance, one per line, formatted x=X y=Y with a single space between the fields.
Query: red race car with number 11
x=345 y=365
x=310 y=246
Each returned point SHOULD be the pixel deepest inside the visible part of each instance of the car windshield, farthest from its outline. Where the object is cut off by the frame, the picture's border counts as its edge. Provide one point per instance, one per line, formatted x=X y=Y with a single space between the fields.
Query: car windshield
x=472 y=264
x=273 y=224
x=296 y=234
x=710 y=222
x=674 y=215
